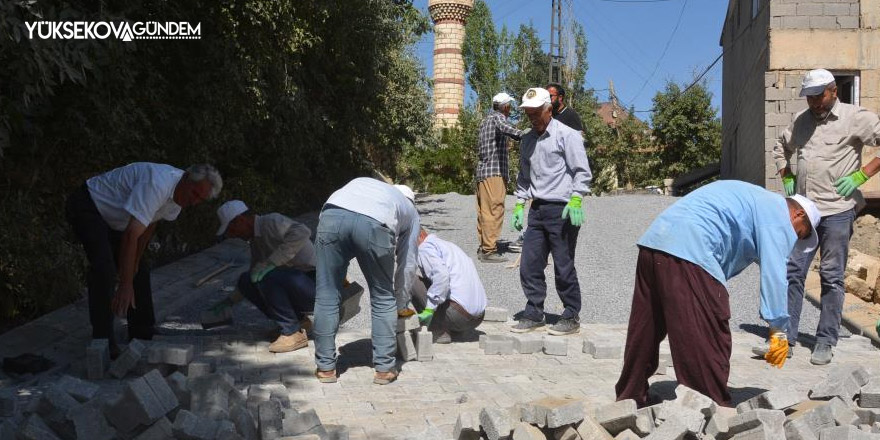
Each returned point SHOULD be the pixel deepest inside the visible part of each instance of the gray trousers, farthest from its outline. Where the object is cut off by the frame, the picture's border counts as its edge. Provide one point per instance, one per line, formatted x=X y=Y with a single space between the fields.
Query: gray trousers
x=447 y=317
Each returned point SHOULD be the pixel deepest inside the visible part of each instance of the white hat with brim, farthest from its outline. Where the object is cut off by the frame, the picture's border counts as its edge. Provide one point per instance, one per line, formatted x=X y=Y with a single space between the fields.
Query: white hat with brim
x=228 y=212
x=406 y=191
x=815 y=82
x=535 y=97
x=810 y=243
x=502 y=98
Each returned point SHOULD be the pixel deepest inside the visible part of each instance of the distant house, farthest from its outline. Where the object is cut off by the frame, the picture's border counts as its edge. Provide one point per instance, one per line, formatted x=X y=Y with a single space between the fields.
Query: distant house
x=768 y=46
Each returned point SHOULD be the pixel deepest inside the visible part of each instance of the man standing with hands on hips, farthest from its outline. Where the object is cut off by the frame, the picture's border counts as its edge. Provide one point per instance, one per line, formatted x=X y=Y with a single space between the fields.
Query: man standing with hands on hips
x=555 y=174
x=828 y=138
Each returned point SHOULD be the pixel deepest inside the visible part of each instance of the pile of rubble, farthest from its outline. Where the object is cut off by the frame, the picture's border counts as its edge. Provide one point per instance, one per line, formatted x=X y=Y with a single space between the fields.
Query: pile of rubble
x=844 y=406
x=166 y=394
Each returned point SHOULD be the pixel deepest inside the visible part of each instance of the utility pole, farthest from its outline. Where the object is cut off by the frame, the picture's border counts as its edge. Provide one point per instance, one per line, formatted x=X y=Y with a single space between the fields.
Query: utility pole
x=555 y=54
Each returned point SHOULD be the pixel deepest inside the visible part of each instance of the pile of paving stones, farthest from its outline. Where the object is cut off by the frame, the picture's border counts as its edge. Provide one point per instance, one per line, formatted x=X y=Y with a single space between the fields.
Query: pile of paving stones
x=414 y=342
x=844 y=406
x=156 y=390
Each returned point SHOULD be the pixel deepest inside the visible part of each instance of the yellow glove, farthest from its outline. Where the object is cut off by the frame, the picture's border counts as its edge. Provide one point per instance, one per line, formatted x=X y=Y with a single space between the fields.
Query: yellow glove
x=778 y=352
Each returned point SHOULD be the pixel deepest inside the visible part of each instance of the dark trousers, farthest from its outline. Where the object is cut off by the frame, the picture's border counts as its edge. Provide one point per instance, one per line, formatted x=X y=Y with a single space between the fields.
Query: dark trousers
x=449 y=316
x=285 y=295
x=676 y=297
x=547 y=233
x=102 y=250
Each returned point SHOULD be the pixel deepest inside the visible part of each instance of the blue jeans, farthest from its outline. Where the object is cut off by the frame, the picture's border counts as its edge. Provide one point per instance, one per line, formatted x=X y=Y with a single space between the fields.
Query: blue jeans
x=548 y=233
x=834 y=234
x=341 y=236
x=284 y=295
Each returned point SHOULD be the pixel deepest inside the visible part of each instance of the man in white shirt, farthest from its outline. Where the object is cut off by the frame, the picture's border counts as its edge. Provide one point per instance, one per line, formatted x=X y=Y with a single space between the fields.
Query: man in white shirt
x=114 y=215
x=448 y=293
x=377 y=224
x=281 y=279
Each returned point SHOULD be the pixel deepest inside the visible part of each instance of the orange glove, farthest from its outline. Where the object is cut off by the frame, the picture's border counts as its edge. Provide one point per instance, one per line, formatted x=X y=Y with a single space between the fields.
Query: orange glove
x=778 y=352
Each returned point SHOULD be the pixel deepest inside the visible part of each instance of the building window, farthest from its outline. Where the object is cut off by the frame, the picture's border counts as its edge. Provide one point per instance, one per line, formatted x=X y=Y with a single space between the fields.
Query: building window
x=847 y=87
x=755 y=6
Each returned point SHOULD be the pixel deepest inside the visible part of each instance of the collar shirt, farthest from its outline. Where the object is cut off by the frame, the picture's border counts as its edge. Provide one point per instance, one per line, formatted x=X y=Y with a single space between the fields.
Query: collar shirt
x=282 y=241
x=553 y=165
x=492 y=151
x=724 y=227
x=452 y=274
x=142 y=190
x=826 y=151
x=387 y=205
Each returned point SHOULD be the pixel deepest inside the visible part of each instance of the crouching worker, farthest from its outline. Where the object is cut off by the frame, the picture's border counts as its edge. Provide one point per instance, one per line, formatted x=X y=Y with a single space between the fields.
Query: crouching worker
x=281 y=280
x=685 y=259
x=448 y=292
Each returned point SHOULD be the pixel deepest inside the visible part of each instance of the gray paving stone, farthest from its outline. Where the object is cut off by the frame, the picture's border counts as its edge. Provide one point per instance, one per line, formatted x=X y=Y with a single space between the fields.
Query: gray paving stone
x=603 y=345
x=155 y=353
x=77 y=388
x=209 y=395
x=424 y=345
x=868 y=416
x=149 y=406
x=717 y=426
x=692 y=418
x=408 y=323
x=869 y=395
x=552 y=412
x=244 y=422
x=128 y=359
x=296 y=423
x=269 y=419
x=843 y=381
x=846 y=433
x=525 y=431
x=36 y=429
x=164 y=394
x=499 y=345
x=690 y=398
x=555 y=346
x=627 y=435
x=496 y=314
x=162 y=429
x=589 y=428
x=8 y=403
x=467 y=427
x=566 y=433
x=526 y=343
x=671 y=429
x=97 y=358
x=644 y=421
x=770 y=419
x=189 y=426
x=178 y=354
x=799 y=430
x=842 y=413
x=55 y=402
x=495 y=423
x=199 y=367
x=773 y=399
x=89 y=422
x=618 y=416
x=406 y=347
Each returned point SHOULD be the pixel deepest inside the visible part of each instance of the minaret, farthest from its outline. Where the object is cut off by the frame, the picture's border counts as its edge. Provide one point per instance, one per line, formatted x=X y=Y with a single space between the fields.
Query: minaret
x=449 y=18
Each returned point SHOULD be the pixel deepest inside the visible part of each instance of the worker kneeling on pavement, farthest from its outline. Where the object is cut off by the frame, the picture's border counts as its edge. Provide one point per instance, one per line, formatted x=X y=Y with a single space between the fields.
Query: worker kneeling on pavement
x=448 y=292
x=685 y=259
x=281 y=280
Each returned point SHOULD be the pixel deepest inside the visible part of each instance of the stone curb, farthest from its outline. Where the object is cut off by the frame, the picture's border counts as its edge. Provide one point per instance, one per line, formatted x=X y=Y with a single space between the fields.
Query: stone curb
x=859 y=317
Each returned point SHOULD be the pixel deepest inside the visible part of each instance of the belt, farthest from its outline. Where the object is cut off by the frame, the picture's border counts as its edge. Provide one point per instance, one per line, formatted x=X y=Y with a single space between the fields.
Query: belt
x=460 y=309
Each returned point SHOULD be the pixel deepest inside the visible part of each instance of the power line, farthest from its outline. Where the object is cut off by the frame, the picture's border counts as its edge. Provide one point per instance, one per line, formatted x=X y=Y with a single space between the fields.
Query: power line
x=662 y=55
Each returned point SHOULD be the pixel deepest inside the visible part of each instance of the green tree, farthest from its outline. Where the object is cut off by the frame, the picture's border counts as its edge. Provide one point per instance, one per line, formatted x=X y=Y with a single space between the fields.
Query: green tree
x=524 y=63
x=687 y=128
x=480 y=52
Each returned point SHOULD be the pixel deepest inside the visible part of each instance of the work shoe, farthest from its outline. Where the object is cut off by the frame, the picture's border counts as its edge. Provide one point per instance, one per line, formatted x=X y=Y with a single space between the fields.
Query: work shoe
x=490 y=257
x=821 y=354
x=384 y=377
x=526 y=325
x=326 y=376
x=565 y=326
x=286 y=343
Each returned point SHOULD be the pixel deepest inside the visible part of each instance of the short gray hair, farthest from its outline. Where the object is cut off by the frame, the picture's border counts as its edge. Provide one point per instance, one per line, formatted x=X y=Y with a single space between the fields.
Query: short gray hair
x=202 y=171
x=500 y=105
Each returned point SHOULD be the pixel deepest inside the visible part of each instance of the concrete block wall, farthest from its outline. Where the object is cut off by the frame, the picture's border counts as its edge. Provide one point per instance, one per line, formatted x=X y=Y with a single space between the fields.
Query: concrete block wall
x=815 y=14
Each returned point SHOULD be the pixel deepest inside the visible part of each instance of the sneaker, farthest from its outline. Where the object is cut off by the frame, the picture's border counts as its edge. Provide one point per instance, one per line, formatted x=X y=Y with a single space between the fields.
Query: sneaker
x=286 y=343
x=526 y=325
x=565 y=326
x=490 y=257
x=821 y=354
x=384 y=377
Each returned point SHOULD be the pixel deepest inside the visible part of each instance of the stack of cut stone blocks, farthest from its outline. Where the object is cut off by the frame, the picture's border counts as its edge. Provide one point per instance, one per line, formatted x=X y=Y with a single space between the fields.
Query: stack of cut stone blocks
x=165 y=393
x=414 y=343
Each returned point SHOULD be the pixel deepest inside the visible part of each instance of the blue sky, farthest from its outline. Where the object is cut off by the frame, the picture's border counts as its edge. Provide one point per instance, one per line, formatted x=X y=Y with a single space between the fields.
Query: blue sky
x=625 y=42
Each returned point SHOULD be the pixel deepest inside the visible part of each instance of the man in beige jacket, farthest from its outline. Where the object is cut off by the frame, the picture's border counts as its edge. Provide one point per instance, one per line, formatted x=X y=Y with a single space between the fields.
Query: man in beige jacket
x=827 y=139
x=281 y=280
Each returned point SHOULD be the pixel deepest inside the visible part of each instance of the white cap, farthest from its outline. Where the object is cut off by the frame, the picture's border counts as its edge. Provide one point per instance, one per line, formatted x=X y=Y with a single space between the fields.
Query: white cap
x=502 y=98
x=815 y=82
x=535 y=97
x=808 y=244
x=407 y=191
x=228 y=212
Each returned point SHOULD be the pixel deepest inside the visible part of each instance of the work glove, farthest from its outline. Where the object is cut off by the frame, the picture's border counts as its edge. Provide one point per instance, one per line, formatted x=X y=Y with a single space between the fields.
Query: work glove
x=518 y=214
x=789 y=182
x=778 y=352
x=426 y=316
x=846 y=185
x=260 y=272
x=573 y=211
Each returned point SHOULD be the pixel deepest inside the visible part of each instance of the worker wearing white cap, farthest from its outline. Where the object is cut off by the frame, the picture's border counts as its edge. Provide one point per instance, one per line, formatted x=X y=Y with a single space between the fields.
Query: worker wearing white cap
x=827 y=140
x=377 y=224
x=555 y=175
x=281 y=279
x=492 y=175
x=685 y=259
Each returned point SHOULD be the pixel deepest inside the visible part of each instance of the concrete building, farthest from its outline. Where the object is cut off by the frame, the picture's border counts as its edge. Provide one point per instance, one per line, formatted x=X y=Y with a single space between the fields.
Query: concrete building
x=449 y=18
x=768 y=46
